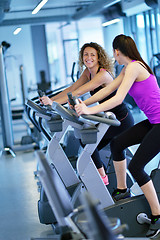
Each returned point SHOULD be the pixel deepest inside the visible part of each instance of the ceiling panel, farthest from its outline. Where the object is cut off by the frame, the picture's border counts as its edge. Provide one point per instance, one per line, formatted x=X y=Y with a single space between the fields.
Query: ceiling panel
x=20 y=11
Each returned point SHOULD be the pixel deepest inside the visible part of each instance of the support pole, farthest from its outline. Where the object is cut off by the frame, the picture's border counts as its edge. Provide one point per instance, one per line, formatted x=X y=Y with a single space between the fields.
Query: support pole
x=6 y=119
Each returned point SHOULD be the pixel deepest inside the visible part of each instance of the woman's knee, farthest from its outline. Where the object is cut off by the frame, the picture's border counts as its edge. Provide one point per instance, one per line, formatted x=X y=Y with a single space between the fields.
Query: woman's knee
x=117 y=150
x=133 y=169
x=138 y=173
x=113 y=144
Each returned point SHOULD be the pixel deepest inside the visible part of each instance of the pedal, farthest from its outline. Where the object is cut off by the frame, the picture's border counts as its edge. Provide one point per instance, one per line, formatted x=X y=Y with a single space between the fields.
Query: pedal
x=143 y=218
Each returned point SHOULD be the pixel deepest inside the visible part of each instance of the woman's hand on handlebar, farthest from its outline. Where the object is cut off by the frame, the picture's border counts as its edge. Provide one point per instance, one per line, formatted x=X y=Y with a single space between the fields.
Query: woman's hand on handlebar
x=46 y=100
x=70 y=105
x=81 y=108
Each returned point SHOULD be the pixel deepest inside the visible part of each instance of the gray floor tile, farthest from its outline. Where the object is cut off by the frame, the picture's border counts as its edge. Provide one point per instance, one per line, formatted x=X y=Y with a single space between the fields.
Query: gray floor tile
x=19 y=196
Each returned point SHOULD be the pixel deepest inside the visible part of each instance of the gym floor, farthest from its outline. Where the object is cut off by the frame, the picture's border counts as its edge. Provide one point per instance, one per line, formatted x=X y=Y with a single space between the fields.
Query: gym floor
x=19 y=196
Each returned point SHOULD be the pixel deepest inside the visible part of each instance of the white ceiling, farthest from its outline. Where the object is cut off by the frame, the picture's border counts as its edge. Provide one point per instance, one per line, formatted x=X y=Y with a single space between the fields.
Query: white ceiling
x=16 y=12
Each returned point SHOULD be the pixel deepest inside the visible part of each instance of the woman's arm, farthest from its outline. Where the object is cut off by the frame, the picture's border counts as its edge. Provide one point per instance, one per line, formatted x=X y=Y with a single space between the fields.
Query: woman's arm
x=111 y=87
x=62 y=97
x=81 y=86
x=102 y=77
x=129 y=78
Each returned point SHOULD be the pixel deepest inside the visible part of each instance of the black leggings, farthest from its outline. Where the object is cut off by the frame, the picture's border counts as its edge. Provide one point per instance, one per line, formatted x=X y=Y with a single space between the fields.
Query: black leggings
x=149 y=136
x=109 y=135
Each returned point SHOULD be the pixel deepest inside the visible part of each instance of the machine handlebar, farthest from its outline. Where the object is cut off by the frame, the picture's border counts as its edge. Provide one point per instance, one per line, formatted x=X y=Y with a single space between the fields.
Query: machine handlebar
x=38 y=108
x=71 y=115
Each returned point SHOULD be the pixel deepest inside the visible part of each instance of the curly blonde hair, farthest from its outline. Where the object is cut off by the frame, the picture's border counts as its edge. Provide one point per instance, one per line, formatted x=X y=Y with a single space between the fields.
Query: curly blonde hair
x=105 y=61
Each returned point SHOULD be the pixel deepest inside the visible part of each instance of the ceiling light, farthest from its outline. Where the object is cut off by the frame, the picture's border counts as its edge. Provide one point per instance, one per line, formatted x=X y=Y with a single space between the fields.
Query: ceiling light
x=105 y=24
x=39 y=6
x=17 y=30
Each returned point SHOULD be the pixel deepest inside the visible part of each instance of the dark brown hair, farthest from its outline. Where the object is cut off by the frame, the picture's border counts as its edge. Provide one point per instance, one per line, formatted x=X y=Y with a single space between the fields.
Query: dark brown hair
x=127 y=46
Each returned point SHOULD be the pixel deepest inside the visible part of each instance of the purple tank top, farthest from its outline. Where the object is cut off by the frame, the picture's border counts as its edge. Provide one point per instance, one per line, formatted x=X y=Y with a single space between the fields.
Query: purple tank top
x=146 y=94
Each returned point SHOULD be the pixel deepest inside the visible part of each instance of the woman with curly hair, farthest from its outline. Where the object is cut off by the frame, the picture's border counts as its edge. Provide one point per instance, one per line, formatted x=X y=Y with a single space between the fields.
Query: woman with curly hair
x=98 y=73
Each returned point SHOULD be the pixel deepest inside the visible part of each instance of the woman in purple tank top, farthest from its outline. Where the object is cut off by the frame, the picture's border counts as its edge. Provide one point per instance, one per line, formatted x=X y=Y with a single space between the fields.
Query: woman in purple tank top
x=137 y=79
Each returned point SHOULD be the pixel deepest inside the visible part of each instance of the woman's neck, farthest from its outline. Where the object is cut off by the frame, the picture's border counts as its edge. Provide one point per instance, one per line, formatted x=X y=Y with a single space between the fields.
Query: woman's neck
x=126 y=61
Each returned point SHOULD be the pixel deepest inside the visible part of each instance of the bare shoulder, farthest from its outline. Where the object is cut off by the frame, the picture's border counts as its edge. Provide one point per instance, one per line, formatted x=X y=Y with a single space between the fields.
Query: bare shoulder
x=105 y=76
x=141 y=71
x=136 y=71
x=104 y=72
x=137 y=64
x=133 y=67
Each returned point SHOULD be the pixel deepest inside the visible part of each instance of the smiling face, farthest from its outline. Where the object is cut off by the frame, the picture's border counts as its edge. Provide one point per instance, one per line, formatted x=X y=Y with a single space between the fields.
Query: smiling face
x=90 y=57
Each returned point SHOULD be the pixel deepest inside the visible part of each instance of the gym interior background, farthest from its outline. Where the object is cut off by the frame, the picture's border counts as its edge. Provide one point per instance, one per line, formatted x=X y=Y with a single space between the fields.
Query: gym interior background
x=43 y=54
